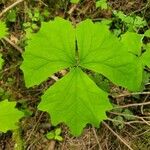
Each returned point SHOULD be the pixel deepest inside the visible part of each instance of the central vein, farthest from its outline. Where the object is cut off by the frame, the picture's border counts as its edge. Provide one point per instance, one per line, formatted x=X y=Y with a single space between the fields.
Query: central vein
x=77 y=54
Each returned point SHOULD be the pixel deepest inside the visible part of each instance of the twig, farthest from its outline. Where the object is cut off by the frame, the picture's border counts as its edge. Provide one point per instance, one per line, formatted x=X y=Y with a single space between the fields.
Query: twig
x=52 y=145
x=132 y=105
x=54 y=78
x=13 y=45
x=100 y=148
x=34 y=127
x=120 y=138
x=127 y=123
x=122 y=114
x=132 y=94
x=72 y=9
x=10 y=7
x=145 y=99
x=145 y=121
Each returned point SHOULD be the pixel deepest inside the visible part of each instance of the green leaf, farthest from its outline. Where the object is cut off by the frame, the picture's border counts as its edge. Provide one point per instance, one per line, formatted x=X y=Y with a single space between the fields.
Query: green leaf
x=128 y=114
x=1 y=61
x=50 y=135
x=102 y=52
x=12 y=15
x=50 y=50
x=100 y=81
x=119 y=122
x=76 y=101
x=106 y=22
x=102 y=4
x=132 y=42
x=58 y=138
x=139 y=22
x=58 y=131
x=55 y=134
x=3 y=32
x=146 y=56
x=133 y=22
x=3 y=29
x=74 y=1
x=9 y=116
x=147 y=33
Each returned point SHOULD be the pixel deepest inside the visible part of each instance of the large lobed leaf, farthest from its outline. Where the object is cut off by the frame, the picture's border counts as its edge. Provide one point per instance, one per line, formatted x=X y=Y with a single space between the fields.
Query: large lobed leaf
x=9 y=116
x=102 y=52
x=147 y=33
x=75 y=100
x=146 y=56
x=48 y=51
x=133 y=42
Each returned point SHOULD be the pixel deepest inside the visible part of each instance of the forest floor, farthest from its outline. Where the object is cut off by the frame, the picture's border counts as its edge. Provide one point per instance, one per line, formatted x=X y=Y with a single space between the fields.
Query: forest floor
x=123 y=135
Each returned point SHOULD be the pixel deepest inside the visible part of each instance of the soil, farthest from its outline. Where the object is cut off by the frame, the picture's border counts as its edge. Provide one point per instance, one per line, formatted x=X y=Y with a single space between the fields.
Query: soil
x=33 y=128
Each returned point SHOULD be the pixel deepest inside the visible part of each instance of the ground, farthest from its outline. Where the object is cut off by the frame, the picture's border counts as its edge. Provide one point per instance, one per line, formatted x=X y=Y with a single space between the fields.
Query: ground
x=31 y=135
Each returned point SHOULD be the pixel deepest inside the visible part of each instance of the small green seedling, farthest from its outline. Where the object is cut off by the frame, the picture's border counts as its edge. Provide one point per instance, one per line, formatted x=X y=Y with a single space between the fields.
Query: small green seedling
x=101 y=4
x=123 y=115
x=54 y=135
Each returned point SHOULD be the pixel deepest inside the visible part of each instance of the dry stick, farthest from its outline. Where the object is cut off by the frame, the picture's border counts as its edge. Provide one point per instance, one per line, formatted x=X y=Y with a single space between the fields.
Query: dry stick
x=129 y=122
x=10 y=7
x=100 y=148
x=54 y=78
x=122 y=140
x=52 y=145
x=131 y=94
x=34 y=127
x=142 y=111
x=145 y=121
x=13 y=45
x=72 y=9
x=122 y=114
x=1 y=14
x=132 y=105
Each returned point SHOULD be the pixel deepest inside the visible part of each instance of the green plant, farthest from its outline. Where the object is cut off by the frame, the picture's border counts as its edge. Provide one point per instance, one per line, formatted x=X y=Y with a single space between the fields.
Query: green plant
x=9 y=116
x=102 y=4
x=133 y=43
x=133 y=22
x=3 y=32
x=74 y=1
x=147 y=33
x=54 y=135
x=75 y=99
x=145 y=56
x=3 y=29
x=35 y=16
x=1 y=61
x=121 y=117
x=100 y=81
x=12 y=15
